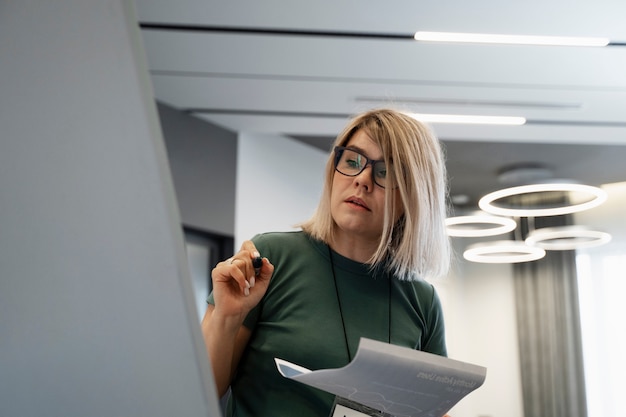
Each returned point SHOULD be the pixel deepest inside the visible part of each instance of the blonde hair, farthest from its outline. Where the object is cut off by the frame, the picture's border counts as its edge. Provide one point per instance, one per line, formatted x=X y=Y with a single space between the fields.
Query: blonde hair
x=416 y=245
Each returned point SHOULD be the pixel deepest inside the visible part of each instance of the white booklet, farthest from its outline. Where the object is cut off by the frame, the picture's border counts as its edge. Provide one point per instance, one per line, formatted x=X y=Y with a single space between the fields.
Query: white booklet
x=394 y=380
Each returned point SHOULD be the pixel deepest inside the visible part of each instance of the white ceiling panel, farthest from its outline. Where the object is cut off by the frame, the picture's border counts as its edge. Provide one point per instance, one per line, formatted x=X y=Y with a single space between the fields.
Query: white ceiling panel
x=302 y=68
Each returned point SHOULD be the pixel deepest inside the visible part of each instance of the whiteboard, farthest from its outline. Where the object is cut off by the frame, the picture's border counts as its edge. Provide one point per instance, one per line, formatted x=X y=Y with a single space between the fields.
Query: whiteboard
x=97 y=313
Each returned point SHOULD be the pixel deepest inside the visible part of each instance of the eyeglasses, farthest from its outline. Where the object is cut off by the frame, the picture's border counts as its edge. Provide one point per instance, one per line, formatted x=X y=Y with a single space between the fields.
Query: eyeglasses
x=351 y=163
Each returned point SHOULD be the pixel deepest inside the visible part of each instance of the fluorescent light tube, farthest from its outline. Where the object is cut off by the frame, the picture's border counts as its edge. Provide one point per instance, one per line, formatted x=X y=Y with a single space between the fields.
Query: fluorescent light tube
x=510 y=39
x=468 y=119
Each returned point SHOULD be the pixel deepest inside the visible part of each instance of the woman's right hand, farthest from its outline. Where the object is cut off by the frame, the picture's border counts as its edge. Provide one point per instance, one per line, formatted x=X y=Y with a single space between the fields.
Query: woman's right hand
x=236 y=288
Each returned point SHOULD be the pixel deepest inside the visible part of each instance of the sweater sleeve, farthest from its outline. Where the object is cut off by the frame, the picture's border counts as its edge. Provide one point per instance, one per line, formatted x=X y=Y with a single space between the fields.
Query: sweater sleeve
x=435 y=336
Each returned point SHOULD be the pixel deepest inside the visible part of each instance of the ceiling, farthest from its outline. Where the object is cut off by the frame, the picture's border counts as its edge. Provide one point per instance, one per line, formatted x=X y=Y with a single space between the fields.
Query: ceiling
x=301 y=69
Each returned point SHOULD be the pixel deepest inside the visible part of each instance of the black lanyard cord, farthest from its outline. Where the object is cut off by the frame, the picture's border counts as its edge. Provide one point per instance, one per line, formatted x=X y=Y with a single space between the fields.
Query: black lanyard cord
x=343 y=324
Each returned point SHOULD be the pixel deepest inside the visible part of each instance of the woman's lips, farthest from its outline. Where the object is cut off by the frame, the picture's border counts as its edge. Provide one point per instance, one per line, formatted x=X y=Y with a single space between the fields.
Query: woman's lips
x=357 y=201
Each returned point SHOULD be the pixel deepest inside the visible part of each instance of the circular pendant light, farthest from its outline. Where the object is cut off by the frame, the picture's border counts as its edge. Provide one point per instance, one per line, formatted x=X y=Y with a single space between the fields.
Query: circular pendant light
x=503 y=252
x=566 y=238
x=542 y=199
x=479 y=225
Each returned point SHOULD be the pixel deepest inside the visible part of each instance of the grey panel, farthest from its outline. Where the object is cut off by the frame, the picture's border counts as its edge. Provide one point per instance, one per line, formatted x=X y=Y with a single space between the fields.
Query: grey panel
x=97 y=315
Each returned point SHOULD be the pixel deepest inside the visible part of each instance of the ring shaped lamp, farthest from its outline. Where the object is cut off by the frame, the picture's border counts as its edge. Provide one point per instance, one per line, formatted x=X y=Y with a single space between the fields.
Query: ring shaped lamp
x=566 y=238
x=479 y=225
x=503 y=252
x=489 y=203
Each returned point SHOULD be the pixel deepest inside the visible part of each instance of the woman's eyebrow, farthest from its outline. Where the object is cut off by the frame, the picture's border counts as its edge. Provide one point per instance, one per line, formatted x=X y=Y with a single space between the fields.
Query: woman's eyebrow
x=362 y=151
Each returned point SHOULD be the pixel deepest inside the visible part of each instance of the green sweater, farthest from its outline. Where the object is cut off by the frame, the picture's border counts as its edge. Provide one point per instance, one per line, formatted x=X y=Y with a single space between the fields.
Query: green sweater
x=299 y=320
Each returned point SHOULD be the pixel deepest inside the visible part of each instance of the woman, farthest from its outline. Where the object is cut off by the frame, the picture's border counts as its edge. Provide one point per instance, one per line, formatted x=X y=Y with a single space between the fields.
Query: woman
x=353 y=271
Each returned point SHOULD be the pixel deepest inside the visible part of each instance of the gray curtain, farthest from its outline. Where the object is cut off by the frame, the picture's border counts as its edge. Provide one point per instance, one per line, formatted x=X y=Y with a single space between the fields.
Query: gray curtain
x=548 y=324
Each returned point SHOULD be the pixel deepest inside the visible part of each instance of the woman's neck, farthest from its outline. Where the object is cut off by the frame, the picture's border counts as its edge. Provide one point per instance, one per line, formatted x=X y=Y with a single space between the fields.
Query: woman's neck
x=354 y=247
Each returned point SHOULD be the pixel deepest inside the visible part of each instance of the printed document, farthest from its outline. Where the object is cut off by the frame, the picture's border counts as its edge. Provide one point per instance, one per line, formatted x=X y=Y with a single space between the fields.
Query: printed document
x=395 y=380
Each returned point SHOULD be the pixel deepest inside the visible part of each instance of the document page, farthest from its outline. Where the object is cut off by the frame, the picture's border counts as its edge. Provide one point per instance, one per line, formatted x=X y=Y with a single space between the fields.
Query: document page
x=395 y=380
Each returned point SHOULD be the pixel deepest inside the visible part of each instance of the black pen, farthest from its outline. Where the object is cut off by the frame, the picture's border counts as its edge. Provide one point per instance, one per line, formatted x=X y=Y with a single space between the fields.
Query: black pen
x=257 y=263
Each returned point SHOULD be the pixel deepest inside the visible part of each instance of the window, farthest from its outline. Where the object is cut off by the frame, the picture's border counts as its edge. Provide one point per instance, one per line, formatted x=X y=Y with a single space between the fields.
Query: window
x=602 y=296
x=204 y=250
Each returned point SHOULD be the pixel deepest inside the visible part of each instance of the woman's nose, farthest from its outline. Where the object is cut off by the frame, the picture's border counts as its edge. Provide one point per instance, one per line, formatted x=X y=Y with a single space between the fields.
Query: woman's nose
x=365 y=178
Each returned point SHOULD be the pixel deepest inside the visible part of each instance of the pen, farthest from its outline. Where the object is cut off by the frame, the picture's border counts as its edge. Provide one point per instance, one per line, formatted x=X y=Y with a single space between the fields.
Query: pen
x=257 y=263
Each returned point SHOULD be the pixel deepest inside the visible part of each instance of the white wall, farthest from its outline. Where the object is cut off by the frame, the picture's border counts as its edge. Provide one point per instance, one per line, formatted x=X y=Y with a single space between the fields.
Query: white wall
x=279 y=183
x=479 y=308
x=203 y=158
x=601 y=292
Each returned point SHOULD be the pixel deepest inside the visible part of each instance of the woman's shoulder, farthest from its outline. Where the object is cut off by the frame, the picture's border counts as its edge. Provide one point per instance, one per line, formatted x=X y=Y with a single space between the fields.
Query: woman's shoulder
x=296 y=240
x=423 y=290
x=292 y=234
x=269 y=238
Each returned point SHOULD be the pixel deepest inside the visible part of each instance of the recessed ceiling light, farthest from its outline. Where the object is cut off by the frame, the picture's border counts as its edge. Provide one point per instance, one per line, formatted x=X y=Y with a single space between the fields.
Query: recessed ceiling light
x=503 y=252
x=459 y=199
x=510 y=39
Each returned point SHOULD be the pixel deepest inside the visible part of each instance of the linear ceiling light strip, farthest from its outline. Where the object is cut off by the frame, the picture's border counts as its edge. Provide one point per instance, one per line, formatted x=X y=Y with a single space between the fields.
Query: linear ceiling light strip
x=510 y=39
x=423 y=36
x=469 y=119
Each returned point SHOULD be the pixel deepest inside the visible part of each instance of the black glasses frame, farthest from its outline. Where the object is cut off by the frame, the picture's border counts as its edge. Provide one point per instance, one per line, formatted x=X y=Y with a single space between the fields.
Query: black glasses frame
x=338 y=154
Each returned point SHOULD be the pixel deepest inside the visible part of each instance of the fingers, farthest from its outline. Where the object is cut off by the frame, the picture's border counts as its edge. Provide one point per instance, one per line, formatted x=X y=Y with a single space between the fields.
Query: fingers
x=230 y=272
x=267 y=269
x=249 y=248
x=245 y=267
